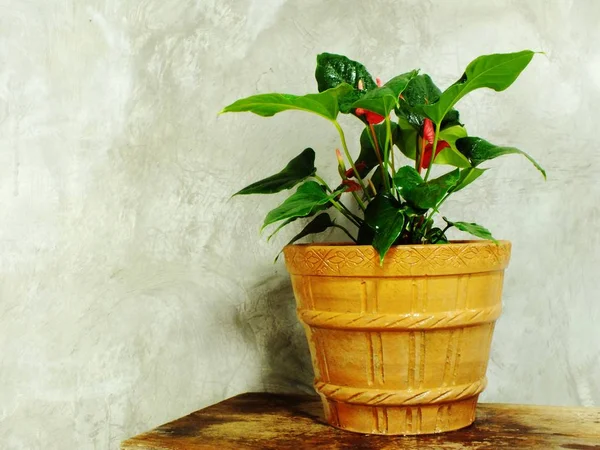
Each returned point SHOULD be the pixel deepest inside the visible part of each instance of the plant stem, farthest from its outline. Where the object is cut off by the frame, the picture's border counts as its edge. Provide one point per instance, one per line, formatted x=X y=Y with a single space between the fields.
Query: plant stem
x=384 y=173
x=390 y=142
x=356 y=174
x=322 y=181
x=341 y=208
x=339 y=205
x=433 y=150
x=346 y=231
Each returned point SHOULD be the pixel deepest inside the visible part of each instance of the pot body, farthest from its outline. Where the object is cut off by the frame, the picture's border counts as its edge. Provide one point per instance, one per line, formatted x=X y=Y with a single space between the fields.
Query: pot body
x=401 y=348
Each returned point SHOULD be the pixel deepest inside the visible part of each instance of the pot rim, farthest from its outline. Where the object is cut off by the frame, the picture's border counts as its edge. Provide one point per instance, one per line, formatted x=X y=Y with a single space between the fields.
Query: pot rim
x=450 y=244
x=344 y=259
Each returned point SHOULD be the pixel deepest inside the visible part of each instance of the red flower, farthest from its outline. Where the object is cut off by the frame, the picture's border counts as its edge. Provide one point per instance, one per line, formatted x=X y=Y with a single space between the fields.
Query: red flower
x=372 y=117
x=429 y=137
x=351 y=185
x=359 y=166
x=428 y=153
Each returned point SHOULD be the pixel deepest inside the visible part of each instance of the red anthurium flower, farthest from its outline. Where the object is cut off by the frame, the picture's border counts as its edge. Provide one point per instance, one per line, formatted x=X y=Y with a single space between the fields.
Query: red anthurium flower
x=429 y=137
x=351 y=185
x=372 y=117
x=428 y=153
x=428 y=131
x=359 y=166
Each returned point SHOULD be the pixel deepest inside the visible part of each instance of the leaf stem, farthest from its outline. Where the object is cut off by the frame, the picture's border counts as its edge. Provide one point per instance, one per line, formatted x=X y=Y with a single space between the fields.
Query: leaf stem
x=322 y=181
x=346 y=212
x=345 y=231
x=349 y=214
x=356 y=174
x=433 y=150
x=389 y=141
x=384 y=173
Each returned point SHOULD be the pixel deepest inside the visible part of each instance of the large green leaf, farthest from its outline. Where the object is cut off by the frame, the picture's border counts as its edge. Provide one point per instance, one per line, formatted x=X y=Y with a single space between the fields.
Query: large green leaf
x=298 y=169
x=451 y=155
x=386 y=217
x=497 y=72
x=407 y=178
x=467 y=176
x=308 y=197
x=479 y=150
x=421 y=90
x=324 y=104
x=428 y=195
x=367 y=150
x=473 y=228
x=333 y=70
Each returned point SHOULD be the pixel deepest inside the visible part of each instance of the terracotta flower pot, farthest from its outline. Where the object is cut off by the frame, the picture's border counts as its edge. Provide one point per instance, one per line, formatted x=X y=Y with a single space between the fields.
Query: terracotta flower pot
x=403 y=348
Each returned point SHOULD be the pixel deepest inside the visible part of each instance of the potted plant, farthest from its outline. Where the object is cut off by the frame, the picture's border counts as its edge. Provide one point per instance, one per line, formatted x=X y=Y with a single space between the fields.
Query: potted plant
x=399 y=320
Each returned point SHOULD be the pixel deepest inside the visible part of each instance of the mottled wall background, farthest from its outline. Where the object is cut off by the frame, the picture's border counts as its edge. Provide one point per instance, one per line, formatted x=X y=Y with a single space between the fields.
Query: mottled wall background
x=132 y=291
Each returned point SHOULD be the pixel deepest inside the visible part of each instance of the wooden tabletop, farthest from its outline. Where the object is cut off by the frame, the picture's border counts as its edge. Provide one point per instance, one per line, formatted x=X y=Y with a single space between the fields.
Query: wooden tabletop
x=282 y=421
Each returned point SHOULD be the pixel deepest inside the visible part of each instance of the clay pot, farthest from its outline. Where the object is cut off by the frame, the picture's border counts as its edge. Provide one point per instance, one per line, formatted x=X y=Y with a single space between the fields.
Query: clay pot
x=403 y=348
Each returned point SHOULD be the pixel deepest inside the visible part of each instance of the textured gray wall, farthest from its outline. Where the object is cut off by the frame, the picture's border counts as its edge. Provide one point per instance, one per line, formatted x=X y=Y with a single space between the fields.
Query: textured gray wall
x=132 y=291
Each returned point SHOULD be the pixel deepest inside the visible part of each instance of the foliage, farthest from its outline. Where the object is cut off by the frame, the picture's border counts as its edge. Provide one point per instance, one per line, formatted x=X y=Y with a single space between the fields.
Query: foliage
x=408 y=114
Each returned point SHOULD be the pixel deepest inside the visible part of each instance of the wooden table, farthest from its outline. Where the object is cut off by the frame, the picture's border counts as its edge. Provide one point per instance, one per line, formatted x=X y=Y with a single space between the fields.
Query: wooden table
x=276 y=421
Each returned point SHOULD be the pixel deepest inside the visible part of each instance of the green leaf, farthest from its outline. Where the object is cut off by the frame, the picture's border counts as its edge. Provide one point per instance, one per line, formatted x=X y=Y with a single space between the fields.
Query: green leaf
x=324 y=104
x=298 y=169
x=333 y=70
x=497 y=72
x=408 y=138
x=479 y=150
x=428 y=195
x=302 y=203
x=467 y=176
x=436 y=236
x=399 y=83
x=451 y=155
x=367 y=151
x=381 y=101
x=421 y=90
x=407 y=178
x=386 y=217
x=474 y=229
x=384 y=99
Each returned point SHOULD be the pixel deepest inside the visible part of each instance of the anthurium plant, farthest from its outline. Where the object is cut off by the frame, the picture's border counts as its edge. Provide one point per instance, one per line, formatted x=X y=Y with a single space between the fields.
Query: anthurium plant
x=395 y=203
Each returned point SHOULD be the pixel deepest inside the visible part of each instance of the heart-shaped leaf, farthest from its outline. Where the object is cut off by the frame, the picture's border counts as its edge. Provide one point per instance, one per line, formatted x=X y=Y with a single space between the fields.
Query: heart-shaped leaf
x=479 y=150
x=324 y=104
x=428 y=195
x=385 y=217
x=421 y=90
x=497 y=72
x=407 y=178
x=303 y=202
x=333 y=70
x=298 y=169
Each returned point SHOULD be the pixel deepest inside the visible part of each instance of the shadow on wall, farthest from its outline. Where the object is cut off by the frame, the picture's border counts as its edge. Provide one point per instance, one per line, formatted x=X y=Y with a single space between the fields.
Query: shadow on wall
x=268 y=321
